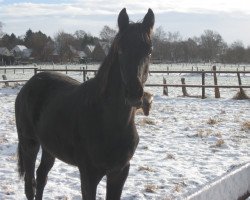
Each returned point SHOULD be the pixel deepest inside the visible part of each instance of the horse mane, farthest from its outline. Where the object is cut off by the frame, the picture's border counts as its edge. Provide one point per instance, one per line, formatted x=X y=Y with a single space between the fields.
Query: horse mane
x=105 y=67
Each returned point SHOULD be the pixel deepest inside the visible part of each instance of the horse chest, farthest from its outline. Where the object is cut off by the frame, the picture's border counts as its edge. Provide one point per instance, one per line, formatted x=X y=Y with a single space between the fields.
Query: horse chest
x=114 y=148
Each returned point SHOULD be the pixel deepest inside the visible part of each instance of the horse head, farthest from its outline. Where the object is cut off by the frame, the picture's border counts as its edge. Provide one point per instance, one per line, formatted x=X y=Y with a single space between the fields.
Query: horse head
x=134 y=49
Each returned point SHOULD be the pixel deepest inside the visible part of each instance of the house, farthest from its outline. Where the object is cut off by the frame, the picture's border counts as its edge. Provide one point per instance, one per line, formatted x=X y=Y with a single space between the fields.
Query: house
x=6 y=57
x=89 y=50
x=100 y=51
x=77 y=55
x=21 y=51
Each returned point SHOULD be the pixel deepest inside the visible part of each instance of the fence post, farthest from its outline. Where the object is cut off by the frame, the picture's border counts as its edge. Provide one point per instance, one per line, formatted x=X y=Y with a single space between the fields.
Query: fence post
x=66 y=68
x=5 y=79
x=83 y=74
x=35 y=71
x=183 y=88
x=216 y=88
x=239 y=80
x=203 y=83
x=165 y=88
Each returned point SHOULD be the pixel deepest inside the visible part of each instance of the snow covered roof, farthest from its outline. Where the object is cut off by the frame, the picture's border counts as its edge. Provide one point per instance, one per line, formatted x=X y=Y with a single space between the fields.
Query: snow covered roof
x=82 y=54
x=90 y=48
x=19 y=48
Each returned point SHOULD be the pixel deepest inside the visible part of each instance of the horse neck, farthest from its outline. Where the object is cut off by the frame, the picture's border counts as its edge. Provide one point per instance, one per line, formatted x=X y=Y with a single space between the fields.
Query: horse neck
x=114 y=87
x=108 y=76
x=115 y=98
x=111 y=88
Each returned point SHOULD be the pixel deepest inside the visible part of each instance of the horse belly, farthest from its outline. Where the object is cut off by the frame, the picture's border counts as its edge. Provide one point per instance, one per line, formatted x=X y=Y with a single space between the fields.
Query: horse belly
x=56 y=135
x=61 y=150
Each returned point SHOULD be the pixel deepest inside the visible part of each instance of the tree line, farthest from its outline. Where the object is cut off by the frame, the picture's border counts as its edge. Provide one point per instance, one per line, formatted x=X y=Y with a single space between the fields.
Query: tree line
x=167 y=46
x=208 y=47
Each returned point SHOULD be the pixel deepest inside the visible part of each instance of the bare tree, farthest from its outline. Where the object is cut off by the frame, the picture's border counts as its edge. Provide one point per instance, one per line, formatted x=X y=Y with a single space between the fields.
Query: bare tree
x=235 y=53
x=82 y=39
x=247 y=55
x=63 y=43
x=159 y=34
x=174 y=39
x=108 y=34
x=173 y=36
x=159 y=38
x=211 y=45
x=1 y=29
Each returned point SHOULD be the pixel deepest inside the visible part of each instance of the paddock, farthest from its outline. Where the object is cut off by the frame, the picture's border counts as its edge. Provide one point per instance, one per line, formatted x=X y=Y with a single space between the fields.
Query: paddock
x=185 y=143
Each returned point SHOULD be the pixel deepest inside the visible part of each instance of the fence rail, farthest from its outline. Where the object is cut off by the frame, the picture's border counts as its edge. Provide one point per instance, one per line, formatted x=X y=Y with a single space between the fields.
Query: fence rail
x=13 y=81
x=197 y=86
x=165 y=86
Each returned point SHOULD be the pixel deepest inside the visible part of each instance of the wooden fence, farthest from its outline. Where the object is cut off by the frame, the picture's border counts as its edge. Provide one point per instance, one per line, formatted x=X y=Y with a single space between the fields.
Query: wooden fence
x=164 y=85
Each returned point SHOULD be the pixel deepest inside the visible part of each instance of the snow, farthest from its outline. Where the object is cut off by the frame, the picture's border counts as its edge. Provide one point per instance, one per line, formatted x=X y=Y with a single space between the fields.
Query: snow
x=185 y=143
x=230 y=186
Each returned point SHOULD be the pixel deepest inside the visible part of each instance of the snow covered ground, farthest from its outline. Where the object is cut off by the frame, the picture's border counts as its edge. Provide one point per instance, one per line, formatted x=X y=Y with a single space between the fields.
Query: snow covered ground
x=184 y=144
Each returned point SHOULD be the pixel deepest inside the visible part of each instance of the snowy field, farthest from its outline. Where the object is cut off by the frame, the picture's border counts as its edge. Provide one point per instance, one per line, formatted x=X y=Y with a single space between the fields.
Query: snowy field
x=185 y=143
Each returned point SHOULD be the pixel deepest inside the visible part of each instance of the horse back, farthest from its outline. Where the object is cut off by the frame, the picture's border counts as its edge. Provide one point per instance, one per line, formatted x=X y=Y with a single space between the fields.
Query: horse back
x=36 y=94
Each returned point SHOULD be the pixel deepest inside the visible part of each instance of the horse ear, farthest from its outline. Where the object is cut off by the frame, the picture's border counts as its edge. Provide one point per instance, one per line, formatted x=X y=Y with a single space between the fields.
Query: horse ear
x=123 y=20
x=149 y=21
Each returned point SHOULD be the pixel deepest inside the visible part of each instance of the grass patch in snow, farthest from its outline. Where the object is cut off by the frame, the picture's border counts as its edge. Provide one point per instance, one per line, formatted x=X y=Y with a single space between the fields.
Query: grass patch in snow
x=212 y=121
x=241 y=95
x=146 y=168
x=150 y=188
x=170 y=156
x=219 y=143
x=245 y=126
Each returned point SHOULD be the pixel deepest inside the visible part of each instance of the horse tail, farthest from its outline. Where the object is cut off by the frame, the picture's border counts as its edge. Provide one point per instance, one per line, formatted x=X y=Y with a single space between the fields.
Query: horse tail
x=20 y=164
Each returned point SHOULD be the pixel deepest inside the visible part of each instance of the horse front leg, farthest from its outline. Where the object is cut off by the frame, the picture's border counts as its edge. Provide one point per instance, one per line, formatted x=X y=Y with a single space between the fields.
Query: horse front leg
x=115 y=183
x=90 y=178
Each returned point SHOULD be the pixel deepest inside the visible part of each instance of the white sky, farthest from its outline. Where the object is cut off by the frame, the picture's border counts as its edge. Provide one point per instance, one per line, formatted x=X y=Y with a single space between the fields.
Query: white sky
x=231 y=18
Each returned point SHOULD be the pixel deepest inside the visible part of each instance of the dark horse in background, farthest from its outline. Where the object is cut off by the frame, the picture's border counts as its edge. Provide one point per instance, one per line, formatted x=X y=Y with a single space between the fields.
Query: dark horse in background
x=89 y=125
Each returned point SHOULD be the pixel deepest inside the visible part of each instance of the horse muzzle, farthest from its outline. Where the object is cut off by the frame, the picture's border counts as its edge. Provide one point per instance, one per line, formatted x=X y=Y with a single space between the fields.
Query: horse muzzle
x=134 y=96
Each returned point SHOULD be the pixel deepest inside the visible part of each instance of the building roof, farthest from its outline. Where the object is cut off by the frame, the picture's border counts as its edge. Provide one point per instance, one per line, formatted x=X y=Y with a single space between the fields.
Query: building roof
x=90 y=47
x=4 y=51
x=82 y=54
x=19 y=48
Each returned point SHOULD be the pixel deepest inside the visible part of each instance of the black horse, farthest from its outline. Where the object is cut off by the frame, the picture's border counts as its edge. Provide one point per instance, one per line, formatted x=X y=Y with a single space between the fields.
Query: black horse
x=89 y=125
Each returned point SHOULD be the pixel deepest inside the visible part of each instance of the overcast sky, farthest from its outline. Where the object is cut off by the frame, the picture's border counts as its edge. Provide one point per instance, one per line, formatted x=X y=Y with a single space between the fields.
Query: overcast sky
x=230 y=18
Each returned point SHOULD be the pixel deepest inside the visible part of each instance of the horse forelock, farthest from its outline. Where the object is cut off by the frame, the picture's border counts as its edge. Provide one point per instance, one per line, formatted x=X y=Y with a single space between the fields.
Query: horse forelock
x=137 y=27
